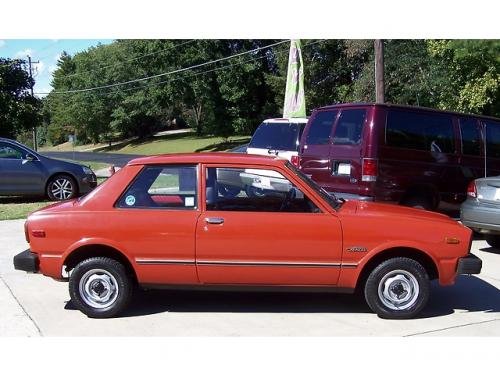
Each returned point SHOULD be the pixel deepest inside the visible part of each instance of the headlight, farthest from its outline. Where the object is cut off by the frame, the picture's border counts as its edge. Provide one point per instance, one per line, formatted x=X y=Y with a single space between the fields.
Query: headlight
x=87 y=170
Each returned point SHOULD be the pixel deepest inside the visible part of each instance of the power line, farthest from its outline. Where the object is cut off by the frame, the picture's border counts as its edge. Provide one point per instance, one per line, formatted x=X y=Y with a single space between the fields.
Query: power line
x=128 y=60
x=166 y=73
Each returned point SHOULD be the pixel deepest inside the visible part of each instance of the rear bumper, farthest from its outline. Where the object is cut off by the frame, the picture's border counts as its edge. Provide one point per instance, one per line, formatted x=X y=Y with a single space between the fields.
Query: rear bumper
x=469 y=265
x=27 y=261
x=481 y=217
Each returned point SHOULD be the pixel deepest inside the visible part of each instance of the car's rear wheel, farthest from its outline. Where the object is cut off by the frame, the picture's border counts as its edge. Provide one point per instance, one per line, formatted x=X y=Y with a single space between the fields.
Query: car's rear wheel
x=61 y=187
x=398 y=288
x=100 y=287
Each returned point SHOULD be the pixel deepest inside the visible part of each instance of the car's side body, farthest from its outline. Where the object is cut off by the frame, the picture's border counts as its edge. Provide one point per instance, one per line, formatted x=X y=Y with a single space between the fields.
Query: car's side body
x=203 y=245
x=25 y=172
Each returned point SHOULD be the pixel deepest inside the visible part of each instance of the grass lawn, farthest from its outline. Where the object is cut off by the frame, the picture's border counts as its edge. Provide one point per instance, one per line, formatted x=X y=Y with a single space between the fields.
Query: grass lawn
x=178 y=143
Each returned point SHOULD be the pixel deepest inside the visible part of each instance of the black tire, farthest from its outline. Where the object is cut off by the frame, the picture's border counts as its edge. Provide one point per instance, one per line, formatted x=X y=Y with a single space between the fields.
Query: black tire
x=61 y=187
x=493 y=241
x=96 y=277
x=410 y=284
x=421 y=202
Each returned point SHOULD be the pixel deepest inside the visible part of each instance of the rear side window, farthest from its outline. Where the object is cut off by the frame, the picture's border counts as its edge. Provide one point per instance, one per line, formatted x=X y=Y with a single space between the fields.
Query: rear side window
x=471 y=138
x=9 y=152
x=349 y=127
x=420 y=131
x=172 y=187
x=280 y=136
x=492 y=139
x=321 y=128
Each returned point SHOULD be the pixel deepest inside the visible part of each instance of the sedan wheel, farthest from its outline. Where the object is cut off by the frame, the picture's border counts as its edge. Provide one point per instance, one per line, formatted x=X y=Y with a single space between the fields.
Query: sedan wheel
x=398 y=288
x=61 y=188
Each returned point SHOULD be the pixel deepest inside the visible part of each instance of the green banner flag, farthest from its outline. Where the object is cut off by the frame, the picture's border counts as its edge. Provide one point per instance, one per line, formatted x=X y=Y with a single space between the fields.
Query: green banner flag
x=295 y=101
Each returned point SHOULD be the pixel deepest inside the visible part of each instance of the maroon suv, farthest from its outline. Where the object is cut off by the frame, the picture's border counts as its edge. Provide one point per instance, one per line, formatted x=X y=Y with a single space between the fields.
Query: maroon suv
x=414 y=156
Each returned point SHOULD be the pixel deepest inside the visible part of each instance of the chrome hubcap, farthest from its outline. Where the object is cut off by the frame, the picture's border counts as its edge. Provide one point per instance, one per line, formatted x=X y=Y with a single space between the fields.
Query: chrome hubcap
x=98 y=288
x=61 y=188
x=398 y=290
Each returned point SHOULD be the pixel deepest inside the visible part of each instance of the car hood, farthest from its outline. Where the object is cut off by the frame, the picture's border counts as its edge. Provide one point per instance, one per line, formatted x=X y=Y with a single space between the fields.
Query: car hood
x=390 y=210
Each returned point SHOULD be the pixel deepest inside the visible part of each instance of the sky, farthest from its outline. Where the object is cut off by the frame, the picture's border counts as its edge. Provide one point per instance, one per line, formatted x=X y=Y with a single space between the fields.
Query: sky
x=46 y=52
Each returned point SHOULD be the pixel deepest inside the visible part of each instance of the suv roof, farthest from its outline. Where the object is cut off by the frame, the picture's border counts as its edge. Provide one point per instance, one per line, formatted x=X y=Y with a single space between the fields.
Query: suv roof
x=297 y=120
x=389 y=105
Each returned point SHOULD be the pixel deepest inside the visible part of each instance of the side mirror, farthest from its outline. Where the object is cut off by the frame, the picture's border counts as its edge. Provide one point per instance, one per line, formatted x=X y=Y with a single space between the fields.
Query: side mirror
x=30 y=157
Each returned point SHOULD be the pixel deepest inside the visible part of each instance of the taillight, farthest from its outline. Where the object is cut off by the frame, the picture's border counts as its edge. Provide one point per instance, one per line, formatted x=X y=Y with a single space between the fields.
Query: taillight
x=369 y=170
x=472 y=190
x=26 y=233
x=295 y=160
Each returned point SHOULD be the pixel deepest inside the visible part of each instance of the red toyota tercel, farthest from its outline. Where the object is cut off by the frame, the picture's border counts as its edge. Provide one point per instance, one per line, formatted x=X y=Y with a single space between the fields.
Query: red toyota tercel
x=221 y=221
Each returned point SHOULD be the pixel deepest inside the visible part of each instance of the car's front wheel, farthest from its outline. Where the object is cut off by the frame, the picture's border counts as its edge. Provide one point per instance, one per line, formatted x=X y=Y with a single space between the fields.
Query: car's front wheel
x=100 y=287
x=61 y=187
x=493 y=240
x=398 y=288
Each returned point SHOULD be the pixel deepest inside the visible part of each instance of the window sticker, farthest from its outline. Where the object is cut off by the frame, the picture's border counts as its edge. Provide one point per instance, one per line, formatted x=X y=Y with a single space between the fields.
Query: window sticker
x=189 y=202
x=130 y=200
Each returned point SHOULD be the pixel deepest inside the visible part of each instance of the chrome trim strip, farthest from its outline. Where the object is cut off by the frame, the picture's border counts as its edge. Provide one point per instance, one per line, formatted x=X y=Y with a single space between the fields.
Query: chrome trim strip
x=50 y=256
x=349 y=265
x=164 y=261
x=265 y=264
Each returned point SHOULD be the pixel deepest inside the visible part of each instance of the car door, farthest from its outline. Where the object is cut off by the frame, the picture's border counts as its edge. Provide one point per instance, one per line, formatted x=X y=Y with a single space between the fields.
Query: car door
x=276 y=237
x=20 y=174
x=315 y=148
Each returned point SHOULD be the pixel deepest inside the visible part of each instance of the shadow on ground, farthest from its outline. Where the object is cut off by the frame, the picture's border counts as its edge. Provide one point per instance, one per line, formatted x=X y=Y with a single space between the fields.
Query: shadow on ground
x=469 y=293
x=20 y=200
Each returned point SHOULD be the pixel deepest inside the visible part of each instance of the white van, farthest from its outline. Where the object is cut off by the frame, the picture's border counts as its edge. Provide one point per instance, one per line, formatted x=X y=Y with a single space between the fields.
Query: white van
x=278 y=136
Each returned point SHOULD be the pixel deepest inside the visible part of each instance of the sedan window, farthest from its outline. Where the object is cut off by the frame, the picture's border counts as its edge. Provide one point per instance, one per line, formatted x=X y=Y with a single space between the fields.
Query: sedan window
x=253 y=190
x=9 y=152
x=172 y=187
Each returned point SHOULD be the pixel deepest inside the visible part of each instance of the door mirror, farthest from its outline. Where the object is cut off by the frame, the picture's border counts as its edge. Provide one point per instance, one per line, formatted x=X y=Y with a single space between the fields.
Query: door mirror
x=30 y=157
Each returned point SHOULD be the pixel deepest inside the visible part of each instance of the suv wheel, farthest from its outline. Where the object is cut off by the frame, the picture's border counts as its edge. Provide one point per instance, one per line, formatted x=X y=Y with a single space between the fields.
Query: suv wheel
x=398 y=288
x=61 y=187
x=100 y=287
x=419 y=202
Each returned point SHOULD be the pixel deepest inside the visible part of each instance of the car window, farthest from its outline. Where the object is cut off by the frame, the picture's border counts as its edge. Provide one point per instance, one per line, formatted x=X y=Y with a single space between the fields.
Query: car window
x=349 y=127
x=471 y=137
x=280 y=136
x=492 y=139
x=321 y=128
x=420 y=131
x=10 y=152
x=253 y=190
x=172 y=187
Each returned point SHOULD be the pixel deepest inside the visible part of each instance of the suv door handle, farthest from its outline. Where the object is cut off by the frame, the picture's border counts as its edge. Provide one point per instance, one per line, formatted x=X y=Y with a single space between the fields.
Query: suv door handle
x=214 y=220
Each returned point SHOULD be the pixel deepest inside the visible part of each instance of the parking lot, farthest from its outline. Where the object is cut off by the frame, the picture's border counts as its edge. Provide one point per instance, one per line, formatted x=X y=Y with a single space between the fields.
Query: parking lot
x=34 y=305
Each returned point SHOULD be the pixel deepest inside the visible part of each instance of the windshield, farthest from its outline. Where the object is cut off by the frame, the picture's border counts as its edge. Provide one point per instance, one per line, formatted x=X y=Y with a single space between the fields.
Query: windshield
x=277 y=136
x=330 y=198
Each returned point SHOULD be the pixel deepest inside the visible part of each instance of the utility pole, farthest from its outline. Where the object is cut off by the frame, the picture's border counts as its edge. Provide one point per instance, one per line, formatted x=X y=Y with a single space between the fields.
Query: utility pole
x=379 y=70
x=35 y=143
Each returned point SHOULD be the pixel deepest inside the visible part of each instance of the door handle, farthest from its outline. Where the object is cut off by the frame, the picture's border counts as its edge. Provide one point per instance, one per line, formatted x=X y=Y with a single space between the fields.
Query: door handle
x=214 y=220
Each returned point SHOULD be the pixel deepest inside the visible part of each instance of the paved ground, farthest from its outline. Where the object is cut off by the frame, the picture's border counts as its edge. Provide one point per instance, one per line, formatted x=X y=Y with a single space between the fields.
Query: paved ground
x=34 y=305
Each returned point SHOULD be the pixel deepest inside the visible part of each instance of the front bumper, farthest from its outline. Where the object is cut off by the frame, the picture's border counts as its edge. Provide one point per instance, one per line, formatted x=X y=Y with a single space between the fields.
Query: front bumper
x=27 y=261
x=469 y=265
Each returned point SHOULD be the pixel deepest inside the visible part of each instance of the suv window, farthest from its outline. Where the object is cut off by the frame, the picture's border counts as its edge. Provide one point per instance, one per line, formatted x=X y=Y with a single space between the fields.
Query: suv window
x=321 y=128
x=281 y=136
x=253 y=190
x=420 y=131
x=172 y=187
x=471 y=144
x=492 y=139
x=8 y=151
x=349 y=127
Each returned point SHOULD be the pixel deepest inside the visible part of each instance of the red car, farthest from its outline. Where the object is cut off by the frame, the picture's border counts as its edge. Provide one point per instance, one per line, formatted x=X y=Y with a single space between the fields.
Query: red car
x=163 y=221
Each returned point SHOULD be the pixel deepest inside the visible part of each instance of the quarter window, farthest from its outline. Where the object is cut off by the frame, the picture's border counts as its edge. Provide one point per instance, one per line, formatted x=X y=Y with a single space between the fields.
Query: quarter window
x=253 y=190
x=420 y=131
x=492 y=139
x=172 y=187
x=321 y=128
x=471 y=144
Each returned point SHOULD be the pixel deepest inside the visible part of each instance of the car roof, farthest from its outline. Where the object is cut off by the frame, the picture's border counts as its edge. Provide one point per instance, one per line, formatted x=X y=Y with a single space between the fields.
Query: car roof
x=295 y=120
x=208 y=157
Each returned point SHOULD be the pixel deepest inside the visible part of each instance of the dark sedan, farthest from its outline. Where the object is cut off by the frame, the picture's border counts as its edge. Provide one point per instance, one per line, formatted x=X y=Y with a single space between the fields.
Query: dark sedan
x=23 y=172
